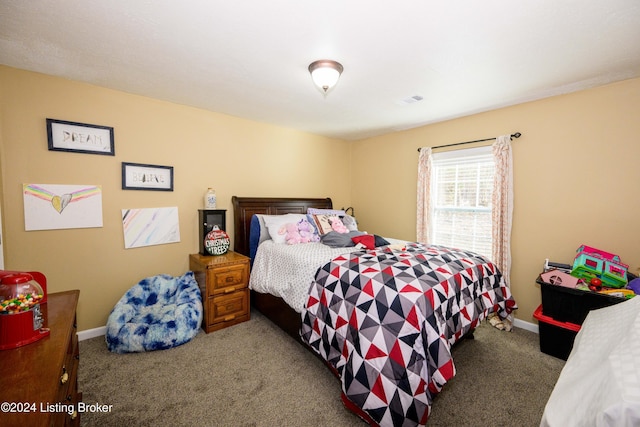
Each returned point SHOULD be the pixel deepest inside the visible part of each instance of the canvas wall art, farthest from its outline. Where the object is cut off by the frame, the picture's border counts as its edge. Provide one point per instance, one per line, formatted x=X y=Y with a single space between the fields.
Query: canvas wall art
x=53 y=206
x=151 y=226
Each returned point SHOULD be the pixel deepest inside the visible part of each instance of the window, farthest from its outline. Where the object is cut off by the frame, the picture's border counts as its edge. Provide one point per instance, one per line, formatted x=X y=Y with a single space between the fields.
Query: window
x=461 y=191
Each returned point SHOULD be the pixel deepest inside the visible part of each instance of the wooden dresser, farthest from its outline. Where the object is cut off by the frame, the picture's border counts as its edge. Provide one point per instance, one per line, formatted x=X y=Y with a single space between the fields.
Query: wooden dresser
x=223 y=282
x=40 y=380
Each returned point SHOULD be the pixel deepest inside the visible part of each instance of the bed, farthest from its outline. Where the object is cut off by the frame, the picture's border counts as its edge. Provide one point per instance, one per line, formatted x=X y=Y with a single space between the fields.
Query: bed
x=600 y=383
x=383 y=318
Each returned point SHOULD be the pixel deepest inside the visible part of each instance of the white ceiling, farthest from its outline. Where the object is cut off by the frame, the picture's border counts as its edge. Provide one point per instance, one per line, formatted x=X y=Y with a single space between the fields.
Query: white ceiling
x=249 y=58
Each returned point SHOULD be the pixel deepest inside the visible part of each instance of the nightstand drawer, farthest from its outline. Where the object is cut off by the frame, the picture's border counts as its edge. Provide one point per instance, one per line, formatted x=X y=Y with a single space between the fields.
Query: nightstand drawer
x=229 y=279
x=226 y=308
x=224 y=285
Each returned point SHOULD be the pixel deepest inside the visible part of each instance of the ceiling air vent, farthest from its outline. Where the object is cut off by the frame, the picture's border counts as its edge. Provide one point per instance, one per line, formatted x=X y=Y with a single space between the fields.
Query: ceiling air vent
x=410 y=100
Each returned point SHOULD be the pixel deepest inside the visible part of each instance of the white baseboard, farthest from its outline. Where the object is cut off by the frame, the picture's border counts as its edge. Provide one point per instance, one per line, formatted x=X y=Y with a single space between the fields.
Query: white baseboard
x=91 y=333
x=526 y=325
x=96 y=332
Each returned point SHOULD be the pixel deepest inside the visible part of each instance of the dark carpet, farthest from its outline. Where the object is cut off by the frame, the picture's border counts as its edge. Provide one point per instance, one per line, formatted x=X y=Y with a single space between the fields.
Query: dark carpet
x=253 y=374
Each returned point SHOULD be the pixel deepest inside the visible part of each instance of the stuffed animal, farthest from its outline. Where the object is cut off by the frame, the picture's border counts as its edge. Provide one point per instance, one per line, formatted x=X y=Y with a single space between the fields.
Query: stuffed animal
x=307 y=232
x=292 y=236
x=350 y=222
x=337 y=225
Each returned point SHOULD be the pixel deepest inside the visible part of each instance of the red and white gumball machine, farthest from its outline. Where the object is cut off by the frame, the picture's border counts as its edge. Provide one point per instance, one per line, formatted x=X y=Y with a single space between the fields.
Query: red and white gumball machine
x=21 y=316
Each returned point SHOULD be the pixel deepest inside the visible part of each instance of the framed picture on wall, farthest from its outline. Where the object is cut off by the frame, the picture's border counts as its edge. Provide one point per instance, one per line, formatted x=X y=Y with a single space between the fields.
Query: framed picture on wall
x=138 y=176
x=80 y=137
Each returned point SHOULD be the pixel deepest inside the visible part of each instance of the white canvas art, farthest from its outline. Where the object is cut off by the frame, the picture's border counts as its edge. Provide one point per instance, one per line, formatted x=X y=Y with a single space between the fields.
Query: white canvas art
x=52 y=206
x=152 y=226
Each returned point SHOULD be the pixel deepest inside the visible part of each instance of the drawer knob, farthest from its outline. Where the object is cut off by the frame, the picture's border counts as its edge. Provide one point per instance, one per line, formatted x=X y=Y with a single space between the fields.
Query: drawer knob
x=228 y=318
x=229 y=279
x=229 y=290
x=74 y=415
x=64 y=378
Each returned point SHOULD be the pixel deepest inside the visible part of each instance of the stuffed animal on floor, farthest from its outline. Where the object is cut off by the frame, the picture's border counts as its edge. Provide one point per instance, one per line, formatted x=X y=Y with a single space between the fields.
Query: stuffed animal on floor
x=307 y=232
x=291 y=233
x=498 y=323
x=337 y=225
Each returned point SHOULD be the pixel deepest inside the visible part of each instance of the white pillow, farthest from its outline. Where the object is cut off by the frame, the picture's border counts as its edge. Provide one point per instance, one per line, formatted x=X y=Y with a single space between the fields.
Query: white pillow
x=273 y=224
x=264 y=233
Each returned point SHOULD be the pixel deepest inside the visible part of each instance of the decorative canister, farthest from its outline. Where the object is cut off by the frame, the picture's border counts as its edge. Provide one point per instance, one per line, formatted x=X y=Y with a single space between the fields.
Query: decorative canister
x=210 y=199
x=217 y=241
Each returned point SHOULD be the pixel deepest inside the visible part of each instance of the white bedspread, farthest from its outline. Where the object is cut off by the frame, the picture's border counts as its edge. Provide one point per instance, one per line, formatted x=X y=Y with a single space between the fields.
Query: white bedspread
x=600 y=383
x=287 y=271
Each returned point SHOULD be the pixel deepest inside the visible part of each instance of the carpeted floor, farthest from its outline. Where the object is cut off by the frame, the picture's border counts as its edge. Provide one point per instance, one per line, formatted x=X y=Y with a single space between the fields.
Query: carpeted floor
x=253 y=374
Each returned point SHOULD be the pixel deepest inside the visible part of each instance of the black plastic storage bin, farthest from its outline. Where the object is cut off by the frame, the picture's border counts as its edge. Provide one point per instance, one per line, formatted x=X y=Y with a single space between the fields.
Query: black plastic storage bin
x=556 y=338
x=572 y=305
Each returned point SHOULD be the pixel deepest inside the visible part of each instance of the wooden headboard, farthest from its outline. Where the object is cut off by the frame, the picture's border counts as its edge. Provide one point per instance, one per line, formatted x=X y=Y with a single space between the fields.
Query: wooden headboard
x=245 y=207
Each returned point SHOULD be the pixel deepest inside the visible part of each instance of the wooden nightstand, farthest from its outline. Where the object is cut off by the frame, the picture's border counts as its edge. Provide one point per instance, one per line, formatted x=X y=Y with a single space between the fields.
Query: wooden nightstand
x=223 y=282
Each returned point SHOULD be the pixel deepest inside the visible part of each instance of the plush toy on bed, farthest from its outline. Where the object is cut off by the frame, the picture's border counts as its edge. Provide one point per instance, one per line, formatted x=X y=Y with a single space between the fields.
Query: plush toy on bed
x=337 y=225
x=307 y=232
x=292 y=235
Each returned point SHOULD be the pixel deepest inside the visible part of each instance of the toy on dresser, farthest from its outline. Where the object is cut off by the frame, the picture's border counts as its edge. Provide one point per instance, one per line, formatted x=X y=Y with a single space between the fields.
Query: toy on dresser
x=591 y=263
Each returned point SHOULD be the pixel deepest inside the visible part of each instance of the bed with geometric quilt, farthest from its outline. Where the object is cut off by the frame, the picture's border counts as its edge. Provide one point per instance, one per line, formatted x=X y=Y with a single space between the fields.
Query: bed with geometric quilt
x=383 y=319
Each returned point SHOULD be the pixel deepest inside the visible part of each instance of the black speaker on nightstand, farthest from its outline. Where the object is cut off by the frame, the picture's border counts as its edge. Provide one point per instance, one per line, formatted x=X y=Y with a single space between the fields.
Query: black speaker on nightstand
x=208 y=218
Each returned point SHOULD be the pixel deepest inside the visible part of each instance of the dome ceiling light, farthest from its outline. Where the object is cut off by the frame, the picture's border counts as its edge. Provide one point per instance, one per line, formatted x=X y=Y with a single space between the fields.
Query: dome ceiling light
x=325 y=74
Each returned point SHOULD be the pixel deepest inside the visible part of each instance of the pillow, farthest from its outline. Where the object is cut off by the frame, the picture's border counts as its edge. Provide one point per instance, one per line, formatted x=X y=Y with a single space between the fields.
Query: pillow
x=366 y=240
x=313 y=223
x=273 y=223
x=369 y=241
x=349 y=222
x=323 y=223
x=254 y=236
x=263 y=233
x=380 y=241
x=340 y=240
x=316 y=211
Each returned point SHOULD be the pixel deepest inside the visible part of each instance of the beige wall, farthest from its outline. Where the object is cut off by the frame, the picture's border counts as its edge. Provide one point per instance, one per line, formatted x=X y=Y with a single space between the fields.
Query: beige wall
x=576 y=178
x=232 y=155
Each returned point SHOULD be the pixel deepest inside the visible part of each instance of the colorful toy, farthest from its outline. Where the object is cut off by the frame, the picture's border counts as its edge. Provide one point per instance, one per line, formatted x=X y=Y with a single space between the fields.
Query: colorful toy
x=307 y=232
x=614 y=274
x=592 y=263
x=292 y=235
x=634 y=285
x=622 y=293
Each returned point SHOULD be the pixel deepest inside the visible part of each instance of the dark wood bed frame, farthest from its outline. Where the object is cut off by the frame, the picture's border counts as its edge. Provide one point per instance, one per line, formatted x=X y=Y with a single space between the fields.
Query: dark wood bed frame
x=244 y=208
x=272 y=307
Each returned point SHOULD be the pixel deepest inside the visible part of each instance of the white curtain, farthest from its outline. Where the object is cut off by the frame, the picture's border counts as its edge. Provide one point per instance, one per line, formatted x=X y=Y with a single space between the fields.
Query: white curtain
x=424 y=195
x=501 y=208
x=502 y=205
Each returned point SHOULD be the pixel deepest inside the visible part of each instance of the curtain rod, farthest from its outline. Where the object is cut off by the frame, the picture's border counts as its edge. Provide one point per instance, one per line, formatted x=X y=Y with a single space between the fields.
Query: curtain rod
x=515 y=135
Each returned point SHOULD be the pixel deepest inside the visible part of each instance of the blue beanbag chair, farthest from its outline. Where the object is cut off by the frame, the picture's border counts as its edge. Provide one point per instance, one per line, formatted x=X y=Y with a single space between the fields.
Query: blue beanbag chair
x=159 y=312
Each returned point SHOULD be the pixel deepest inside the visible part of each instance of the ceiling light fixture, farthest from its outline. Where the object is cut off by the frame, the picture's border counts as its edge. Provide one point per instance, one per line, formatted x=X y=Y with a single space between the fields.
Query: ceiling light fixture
x=325 y=74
